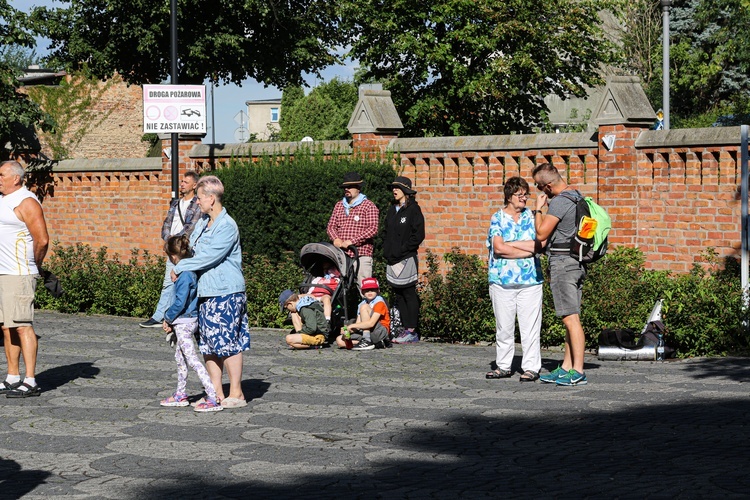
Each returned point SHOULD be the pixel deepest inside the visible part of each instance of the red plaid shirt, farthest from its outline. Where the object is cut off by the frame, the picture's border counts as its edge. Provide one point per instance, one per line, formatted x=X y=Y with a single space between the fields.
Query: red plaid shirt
x=360 y=226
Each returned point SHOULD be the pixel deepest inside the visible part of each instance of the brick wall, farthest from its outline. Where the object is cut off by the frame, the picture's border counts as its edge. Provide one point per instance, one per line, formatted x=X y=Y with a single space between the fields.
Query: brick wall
x=111 y=126
x=119 y=204
x=670 y=193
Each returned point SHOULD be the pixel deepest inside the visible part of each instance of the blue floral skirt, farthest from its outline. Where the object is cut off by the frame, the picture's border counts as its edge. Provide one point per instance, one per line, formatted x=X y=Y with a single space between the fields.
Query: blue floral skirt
x=223 y=326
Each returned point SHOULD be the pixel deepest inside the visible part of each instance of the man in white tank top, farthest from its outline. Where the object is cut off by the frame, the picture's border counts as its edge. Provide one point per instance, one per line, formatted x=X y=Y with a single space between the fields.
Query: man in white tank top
x=23 y=246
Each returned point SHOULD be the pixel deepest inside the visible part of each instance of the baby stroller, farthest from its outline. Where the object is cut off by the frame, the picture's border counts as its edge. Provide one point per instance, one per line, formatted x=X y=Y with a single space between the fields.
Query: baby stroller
x=318 y=259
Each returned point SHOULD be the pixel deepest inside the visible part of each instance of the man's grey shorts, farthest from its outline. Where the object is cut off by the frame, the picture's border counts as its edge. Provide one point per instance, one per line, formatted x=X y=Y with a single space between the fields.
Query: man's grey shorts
x=566 y=283
x=17 y=300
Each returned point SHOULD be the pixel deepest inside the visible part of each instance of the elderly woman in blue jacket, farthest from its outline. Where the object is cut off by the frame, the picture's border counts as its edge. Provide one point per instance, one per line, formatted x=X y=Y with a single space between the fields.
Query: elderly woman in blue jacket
x=222 y=312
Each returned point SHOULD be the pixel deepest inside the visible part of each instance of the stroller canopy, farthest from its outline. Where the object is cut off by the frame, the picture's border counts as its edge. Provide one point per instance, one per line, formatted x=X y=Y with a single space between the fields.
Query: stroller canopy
x=313 y=255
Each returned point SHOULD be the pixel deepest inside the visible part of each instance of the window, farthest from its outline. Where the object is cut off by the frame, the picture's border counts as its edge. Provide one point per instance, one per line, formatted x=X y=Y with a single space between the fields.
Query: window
x=274 y=115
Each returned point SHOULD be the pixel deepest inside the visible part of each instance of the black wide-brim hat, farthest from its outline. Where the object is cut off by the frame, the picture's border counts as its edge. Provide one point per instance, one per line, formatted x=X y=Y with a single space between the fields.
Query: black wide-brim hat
x=404 y=184
x=352 y=179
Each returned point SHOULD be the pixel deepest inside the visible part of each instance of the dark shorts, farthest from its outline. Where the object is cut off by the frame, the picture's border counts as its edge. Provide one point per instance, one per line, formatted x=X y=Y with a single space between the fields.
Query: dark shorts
x=566 y=283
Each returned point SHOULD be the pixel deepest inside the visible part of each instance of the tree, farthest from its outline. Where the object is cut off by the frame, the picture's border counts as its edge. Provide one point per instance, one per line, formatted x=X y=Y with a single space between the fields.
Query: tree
x=323 y=114
x=709 y=61
x=19 y=57
x=640 y=34
x=459 y=67
x=272 y=41
x=18 y=114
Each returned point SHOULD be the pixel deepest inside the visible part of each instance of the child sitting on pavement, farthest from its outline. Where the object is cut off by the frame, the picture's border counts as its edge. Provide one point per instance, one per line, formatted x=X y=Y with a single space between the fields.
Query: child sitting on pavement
x=310 y=325
x=372 y=328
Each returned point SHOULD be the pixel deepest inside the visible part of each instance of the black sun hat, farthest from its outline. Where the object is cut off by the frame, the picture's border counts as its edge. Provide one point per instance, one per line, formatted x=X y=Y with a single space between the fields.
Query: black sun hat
x=404 y=184
x=352 y=179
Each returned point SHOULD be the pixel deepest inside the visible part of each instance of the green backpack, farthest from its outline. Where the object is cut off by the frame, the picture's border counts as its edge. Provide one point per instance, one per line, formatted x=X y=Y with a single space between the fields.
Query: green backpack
x=589 y=243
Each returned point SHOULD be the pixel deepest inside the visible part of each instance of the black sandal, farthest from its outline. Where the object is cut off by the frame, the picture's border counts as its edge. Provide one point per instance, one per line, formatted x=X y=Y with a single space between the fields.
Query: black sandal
x=498 y=373
x=529 y=376
x=5 y=387
x=29 y=392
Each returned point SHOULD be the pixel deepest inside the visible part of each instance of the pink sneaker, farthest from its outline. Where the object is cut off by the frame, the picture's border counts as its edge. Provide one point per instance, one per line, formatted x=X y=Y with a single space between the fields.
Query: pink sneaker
x=207 y=406
x=176 y=399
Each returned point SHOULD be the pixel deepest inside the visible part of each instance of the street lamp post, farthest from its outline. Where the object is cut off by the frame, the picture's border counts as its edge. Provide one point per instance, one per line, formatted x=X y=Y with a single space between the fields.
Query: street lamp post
x=174 y=137
x=665 y=5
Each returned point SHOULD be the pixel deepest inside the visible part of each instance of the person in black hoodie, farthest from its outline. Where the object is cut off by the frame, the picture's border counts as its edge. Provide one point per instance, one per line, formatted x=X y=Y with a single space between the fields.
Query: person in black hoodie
x=404 y=232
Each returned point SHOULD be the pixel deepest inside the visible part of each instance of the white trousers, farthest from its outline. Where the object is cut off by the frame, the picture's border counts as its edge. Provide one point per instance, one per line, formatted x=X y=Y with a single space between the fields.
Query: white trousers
x=526 y=304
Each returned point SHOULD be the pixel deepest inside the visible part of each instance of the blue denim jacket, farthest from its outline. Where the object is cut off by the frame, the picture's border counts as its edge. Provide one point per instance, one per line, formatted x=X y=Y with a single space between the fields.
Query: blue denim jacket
x=185 y=303
x=217 y=257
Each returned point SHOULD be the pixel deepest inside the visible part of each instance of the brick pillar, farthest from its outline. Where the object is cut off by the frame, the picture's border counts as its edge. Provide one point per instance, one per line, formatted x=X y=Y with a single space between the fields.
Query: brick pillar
x=617 y=185
x=374 y=123
x=622 y=115
x=371 y=144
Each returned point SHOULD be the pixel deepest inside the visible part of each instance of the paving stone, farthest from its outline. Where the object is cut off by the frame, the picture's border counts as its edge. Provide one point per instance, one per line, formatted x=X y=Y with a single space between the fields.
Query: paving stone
x=417 y=421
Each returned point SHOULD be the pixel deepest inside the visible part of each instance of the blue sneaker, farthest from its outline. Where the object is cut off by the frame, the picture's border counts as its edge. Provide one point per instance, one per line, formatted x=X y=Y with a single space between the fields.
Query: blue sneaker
x=410 y=338
x=572 y=378
x=551 y=377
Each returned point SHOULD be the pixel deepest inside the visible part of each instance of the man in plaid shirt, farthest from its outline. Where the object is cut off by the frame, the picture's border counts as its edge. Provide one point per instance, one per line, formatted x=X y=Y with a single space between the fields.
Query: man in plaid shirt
x=354 y=222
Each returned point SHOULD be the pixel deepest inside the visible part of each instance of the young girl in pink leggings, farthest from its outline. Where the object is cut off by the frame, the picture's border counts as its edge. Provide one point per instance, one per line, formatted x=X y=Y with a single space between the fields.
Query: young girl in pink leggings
x=182 y=319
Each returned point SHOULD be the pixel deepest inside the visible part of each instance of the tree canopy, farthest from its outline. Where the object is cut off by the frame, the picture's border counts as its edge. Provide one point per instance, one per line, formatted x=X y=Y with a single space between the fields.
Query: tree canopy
x=709 y=60
x=272 y=41
x=18 y=114
x=323 y=114
x=463 y=67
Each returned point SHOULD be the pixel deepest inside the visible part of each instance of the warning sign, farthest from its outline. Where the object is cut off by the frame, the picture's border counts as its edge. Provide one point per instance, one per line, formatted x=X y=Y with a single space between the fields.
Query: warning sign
x=169 y=109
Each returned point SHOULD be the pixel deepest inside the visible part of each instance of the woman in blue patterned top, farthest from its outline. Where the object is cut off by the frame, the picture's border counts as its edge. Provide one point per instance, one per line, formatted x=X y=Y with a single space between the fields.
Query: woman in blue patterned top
x=515 y=276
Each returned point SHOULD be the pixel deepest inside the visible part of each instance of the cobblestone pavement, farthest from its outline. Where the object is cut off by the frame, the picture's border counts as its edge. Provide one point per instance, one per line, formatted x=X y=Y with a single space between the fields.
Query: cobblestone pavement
x=416 y=421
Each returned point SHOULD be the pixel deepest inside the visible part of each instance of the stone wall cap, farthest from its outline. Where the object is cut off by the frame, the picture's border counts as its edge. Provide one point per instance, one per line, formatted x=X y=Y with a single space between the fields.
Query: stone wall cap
x=246 y=149
x=517 y=142
x=108 y=165
x=375 y=113
x=624 y=102
x=688 y=137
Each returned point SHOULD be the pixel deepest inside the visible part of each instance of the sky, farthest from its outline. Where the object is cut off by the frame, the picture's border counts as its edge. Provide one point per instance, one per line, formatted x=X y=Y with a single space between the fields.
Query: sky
x=229 y=100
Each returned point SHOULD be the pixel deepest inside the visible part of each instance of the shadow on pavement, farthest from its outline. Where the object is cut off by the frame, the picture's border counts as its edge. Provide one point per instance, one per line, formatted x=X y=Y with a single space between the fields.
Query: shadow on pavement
x=15 y=483
x=695 y=450
x=60 y=375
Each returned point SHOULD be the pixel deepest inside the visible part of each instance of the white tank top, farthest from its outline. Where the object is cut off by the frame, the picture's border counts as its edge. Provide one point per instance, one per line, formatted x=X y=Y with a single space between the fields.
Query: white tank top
x=16 y=245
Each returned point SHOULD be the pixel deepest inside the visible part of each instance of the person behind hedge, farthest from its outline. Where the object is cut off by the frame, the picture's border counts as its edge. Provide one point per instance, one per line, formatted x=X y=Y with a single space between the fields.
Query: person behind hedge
x=222 y=303
x=566 y=274
x=515 y=281
x=372 y=328
x=182 y=319
x=402 y=235
x=310 y=325
x=181 y=217
x=354 y=222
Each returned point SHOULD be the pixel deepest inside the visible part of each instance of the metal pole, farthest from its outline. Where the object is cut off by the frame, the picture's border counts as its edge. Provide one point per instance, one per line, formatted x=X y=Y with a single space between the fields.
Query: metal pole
x=213 y=123
x=744 y=272
x=175 y=137
x=665 y=4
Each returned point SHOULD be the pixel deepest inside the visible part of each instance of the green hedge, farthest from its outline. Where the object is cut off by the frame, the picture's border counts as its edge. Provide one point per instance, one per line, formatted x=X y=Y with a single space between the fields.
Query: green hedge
x=282 y=203
x=96 y=284
x=702 y=310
